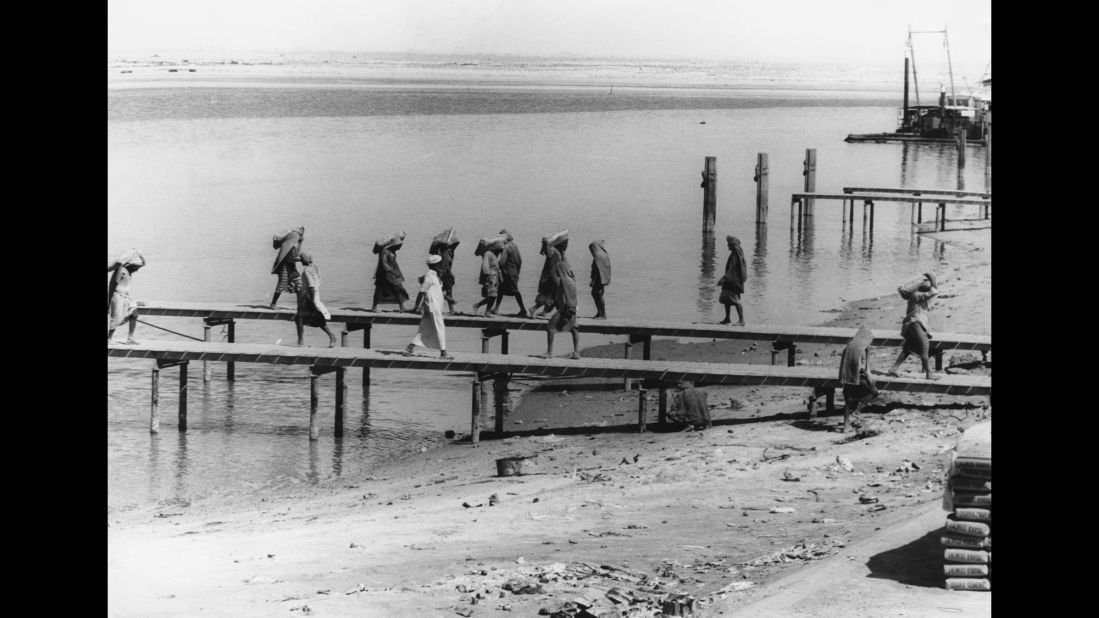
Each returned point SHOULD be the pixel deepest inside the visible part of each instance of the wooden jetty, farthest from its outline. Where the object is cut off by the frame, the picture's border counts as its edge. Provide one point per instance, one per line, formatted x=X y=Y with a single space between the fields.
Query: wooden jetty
x=798 y=203
x=639 y=331
x=500 y=368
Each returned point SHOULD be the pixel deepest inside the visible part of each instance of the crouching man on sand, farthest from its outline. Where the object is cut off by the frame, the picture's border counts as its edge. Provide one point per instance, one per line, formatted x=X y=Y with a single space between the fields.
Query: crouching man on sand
x=689 y=406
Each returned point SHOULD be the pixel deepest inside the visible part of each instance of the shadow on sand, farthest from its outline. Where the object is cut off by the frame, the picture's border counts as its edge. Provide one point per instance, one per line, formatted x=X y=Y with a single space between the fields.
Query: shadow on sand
x=919 y=563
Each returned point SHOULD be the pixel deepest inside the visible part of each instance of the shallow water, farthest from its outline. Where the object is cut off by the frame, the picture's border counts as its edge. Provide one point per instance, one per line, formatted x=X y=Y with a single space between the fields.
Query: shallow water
x=200 y=177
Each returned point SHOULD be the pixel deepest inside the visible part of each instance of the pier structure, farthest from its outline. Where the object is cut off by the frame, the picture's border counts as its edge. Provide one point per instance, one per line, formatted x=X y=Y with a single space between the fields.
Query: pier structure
x=501 y=368
x=915 y=197
x=782 y=337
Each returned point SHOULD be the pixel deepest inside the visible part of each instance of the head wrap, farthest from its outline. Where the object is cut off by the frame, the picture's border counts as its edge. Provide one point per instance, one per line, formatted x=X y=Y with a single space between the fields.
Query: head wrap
x=392 y=241
x=434 y=259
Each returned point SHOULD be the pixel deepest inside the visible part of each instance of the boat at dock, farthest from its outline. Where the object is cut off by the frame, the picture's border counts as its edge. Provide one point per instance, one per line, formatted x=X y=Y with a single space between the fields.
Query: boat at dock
x=970 y=113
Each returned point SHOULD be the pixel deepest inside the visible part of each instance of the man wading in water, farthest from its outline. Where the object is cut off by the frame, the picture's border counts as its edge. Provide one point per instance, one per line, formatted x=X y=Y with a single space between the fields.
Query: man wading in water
x=732 y=282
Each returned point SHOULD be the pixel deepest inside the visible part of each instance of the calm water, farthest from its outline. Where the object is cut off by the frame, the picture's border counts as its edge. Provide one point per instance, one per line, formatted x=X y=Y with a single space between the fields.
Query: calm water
x=201 y=174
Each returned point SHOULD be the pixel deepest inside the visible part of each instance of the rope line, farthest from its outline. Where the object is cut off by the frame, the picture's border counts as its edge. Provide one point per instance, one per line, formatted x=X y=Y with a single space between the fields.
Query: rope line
x=170 y=331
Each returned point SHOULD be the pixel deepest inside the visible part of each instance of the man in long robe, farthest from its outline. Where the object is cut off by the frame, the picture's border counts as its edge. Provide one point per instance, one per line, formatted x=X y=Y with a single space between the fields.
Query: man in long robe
x=854 y=375
x=511 y=263
x=732 y=282
x=444 y=246
x=388 y=280
x=553 y=247
x=564 y=320
x=600 y=276
x=432 y=332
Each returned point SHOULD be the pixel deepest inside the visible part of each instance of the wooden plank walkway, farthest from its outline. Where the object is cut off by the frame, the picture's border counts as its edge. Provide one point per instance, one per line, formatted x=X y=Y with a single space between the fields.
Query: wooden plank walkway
x=802 y=204
x=616 y=326
x=499 y=367
x=983 y=194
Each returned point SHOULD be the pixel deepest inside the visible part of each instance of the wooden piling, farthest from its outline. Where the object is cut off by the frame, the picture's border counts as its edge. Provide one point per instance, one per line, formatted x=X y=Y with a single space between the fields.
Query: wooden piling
x=627 y=383
x=709 y=195
x=314 y=398
x=810 y=172
x=829 y=400
x=206 y=373
x=504 y=342
x=484 y=379
x=642 y=408
x=366 y=344
x=183 y=395
x=646 y=348
x=762 y=177
x=662 y=406
x=475 y=412
x=341 y=391
x=960 y=138
x=154 y=409
x=791 y=352
x=231 y=367
x=500 y=399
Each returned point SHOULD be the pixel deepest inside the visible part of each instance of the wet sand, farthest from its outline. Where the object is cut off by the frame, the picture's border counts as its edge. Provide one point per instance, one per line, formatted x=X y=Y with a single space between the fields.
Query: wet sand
x=732 y=517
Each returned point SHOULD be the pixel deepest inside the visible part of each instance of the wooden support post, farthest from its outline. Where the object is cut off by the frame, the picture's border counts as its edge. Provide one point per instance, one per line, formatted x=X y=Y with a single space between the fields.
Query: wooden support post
x=961 y=147
x=154 y=409
x=790 y=353
x=942 y=219
x=231 y=367
x=864 y=204
x=871 y=216
x=810 y=173
x=793 y=204
x=829 y=400
x=500 y=399
x=341 y=400
x=206 y=373
x=503 y=342
x=627 y=383
x=919 y=212
x=475 y=411
x=183 y=395
x=647 y=347
x=938 y=359
x=314 y=398
x=662 y=410
x=366 y=344
x=642 y=408
x=709 y=195
x=762 y=177
x=484 y=342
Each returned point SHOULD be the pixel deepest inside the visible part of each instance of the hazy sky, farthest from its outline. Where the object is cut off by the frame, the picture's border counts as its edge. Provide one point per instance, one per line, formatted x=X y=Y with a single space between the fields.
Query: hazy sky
x=858 y=31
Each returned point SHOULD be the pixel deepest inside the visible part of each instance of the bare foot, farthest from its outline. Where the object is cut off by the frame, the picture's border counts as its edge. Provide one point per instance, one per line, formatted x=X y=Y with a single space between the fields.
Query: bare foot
x=575 y=356
x=446 y=356
x=725 y=322
x=740 y=323
x=272 y=306
x=893 y=372
x=130 y=341
x=932 y=376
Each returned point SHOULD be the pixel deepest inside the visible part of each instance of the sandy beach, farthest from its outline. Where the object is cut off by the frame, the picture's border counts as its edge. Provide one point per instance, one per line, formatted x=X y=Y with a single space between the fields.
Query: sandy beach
x=768 y=513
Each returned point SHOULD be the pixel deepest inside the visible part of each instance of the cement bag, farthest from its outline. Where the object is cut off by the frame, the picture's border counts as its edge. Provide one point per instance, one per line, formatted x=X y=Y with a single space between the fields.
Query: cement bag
x=965 y=570
x=906 y=289
x=968 y=528
x=973 y=514
x=963 y=498
x=962 y=583
x=971 y=556
x=963 y=542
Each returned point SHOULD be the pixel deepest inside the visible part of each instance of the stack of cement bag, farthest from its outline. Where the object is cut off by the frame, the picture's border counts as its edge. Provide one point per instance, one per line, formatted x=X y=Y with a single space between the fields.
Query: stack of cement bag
x=967 y=537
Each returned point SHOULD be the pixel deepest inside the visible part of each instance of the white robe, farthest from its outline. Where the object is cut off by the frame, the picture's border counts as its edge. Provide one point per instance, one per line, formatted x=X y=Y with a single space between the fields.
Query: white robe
x=432 y=332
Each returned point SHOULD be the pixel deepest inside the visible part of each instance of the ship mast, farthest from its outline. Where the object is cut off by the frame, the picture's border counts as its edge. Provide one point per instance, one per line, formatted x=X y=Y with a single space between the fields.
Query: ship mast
x=912 y=53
